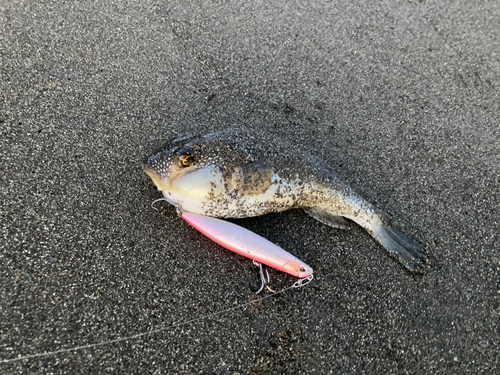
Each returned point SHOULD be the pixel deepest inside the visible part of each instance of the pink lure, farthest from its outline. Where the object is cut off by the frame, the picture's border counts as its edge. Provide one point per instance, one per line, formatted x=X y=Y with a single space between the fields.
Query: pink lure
x=249 y=244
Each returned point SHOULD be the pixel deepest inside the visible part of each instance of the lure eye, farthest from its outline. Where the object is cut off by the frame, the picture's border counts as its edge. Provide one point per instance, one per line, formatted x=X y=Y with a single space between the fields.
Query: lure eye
x=302 y=269
x=186 y=160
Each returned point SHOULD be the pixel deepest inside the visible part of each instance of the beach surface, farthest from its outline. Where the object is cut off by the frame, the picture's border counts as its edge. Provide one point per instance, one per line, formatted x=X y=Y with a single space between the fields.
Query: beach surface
x=401 y=99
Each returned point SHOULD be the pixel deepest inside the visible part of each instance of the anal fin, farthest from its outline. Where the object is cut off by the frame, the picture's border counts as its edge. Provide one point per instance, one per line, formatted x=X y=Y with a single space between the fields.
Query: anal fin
x=327 y=218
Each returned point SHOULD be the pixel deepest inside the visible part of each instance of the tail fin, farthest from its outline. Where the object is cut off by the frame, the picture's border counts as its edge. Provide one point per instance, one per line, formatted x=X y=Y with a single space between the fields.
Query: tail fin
x=408 y=251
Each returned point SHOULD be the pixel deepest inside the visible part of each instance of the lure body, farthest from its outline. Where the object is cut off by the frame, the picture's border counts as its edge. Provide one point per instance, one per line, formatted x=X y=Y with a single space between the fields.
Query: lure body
x=248 y=244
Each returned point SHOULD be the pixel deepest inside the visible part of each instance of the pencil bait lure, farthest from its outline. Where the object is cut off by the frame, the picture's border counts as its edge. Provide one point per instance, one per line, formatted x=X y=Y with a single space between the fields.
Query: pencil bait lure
x=251 y=245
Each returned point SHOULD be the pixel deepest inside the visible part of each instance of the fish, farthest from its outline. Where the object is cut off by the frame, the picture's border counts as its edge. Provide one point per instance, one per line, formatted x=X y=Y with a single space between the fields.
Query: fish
x=239 y=173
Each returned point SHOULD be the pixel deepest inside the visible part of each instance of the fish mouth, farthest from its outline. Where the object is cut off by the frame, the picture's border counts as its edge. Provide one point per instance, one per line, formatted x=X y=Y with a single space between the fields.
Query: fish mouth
x=162 y=183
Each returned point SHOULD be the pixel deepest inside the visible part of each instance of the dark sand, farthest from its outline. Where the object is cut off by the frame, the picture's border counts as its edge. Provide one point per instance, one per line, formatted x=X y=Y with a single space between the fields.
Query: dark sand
x=402 y=99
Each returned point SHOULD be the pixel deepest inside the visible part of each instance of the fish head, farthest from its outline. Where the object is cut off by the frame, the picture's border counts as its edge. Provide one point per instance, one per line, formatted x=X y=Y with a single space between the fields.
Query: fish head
x=209 y=156
x=298 y=268
x=169 y=165
x=220 y=174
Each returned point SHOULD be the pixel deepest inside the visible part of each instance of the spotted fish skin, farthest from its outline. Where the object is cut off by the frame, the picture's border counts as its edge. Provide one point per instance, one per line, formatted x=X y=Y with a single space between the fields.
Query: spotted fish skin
x=240 y=173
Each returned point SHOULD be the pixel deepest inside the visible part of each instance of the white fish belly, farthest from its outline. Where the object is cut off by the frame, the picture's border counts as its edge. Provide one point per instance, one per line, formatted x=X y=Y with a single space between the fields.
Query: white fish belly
x=205 y=193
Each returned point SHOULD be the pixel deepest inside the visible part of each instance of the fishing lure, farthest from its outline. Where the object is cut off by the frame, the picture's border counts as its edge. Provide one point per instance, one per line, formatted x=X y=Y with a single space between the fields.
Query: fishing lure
x=251 y=245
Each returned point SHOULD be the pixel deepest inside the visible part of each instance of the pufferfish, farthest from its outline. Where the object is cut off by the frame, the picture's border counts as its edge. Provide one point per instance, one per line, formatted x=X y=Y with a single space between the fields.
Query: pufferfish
x=239 y=173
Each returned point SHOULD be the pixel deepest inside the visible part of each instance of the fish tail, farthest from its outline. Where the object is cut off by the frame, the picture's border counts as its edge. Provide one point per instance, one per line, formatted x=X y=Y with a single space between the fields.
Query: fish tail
x=408 y=251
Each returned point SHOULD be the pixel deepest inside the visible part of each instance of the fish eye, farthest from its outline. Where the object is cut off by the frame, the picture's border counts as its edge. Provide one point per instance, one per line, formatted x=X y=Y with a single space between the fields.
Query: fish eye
x=186 y=160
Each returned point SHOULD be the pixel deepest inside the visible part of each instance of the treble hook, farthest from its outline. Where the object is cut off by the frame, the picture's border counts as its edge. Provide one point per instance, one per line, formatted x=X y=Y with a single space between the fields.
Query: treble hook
x=176 y=205
x=263 y=278
x=153 y=204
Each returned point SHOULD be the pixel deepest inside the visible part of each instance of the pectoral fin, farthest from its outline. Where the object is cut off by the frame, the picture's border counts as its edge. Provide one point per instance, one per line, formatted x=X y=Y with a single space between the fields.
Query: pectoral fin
x=327 y=218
